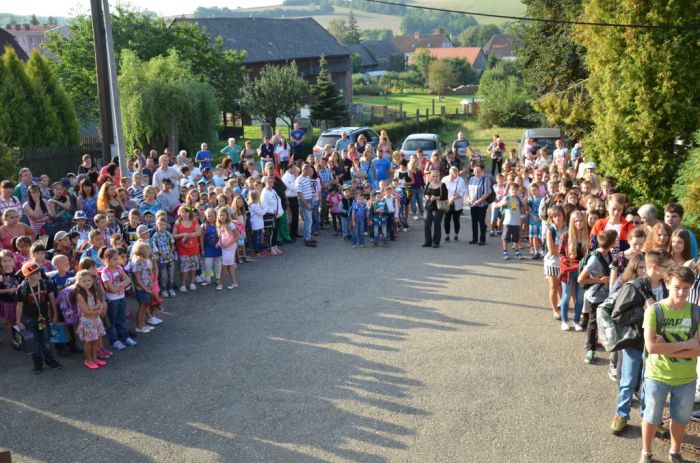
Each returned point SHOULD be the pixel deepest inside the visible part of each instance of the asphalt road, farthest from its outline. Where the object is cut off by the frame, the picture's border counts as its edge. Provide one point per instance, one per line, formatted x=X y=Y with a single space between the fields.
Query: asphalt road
x=403 y=354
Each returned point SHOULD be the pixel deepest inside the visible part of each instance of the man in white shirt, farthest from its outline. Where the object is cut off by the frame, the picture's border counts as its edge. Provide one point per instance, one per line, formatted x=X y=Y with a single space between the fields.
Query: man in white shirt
x=170 y=172
x=289 y=178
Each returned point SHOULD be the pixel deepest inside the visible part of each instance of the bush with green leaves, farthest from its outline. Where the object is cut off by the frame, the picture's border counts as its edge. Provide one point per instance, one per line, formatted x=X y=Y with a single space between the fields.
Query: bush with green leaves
x=506 y=102
x=687 y=186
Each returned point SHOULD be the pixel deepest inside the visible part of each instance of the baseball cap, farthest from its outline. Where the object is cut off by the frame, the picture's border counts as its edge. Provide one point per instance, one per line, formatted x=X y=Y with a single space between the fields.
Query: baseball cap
x=591 y=165
x=29 y=268
x=80 y=215
x=125 y=215
x=141 y=229
x=60 y=235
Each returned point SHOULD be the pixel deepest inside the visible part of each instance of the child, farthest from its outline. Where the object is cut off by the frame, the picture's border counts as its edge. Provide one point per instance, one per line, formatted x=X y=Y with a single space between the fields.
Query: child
x=512 y=207
x=345 y=205
x=101 y=227
x=334 y=200
x=500 y=189
x=36 y=305
x=378 y=219
x=392 y=206
x=596 y=275
x=257 y=223
x=228 y=240
x=141 y=269
x=211 y=249
x=115 y=281
x=59 y=279
x=188 y=237
x=359 y=215
x=22 y=246
x=241 y=222
x=130 y=228
x=8 y=289
x=90 y=327
x=38 y=254
x=163 y=245
x=81 y=225
x=535 y=231
x=113 y=225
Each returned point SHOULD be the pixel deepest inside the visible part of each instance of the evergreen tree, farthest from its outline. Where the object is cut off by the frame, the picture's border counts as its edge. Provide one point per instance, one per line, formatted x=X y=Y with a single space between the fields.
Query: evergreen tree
x=4 y=113
x=34 y=21
x=353 y=31
x=330 y=104
x=42 y=76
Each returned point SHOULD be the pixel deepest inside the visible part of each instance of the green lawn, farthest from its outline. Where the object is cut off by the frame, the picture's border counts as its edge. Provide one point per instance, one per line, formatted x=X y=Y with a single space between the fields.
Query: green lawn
x=412 y=101
x=480 y=138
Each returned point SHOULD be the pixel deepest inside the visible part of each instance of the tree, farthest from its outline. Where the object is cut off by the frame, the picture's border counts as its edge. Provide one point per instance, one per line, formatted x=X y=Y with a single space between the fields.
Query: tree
x=33 y=20
x=426 y=22
x=553 y=64
x=353 y=31
x=687 y=185
x=356 y=63
x=42 y=76
x=506 y=102
x=441 y=76
x=377 y=34
x=163 y=94
x=338 y=28
x=478 y=35
x=463 y=71
x=330 y=104
x=421 y=61
x=278 y=92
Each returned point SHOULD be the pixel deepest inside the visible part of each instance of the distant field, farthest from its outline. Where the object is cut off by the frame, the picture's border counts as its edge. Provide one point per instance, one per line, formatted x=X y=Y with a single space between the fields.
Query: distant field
x=365 y=20
x=503 y=7
x=412 y=101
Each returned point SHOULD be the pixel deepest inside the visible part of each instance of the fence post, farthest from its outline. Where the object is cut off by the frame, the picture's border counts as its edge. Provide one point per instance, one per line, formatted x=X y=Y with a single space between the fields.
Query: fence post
x=371 y=115
x=442 y=112
x=433 y=105
x=385 y=110
x=427 y=115
x=403 y=120
x=418 y=120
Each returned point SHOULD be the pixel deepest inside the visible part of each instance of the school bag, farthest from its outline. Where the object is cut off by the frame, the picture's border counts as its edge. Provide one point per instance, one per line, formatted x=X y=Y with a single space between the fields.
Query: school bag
x=590 y=254
x=614 y=335
x=240 y=227
x=660 y=318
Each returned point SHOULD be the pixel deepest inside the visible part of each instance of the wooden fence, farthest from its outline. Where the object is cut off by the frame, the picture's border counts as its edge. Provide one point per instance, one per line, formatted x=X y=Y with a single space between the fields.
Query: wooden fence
x=57 y=162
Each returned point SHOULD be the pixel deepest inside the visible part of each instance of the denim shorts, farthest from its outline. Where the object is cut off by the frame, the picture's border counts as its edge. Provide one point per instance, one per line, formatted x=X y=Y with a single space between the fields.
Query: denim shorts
x=535 y=230
x=142 y=296
x=681 y=405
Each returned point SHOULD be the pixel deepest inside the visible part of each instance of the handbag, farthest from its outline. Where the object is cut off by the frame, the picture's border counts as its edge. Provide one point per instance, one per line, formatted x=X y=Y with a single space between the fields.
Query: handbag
x=58 y=333
x=443 y=205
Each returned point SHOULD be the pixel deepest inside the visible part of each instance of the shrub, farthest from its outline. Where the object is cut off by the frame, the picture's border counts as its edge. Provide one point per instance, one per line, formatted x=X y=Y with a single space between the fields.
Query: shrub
x=687 y=186
x=368 y=89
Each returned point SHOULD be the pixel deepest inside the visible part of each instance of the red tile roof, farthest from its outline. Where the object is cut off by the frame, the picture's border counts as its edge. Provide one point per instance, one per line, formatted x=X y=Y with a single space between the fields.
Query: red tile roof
x=468 y=53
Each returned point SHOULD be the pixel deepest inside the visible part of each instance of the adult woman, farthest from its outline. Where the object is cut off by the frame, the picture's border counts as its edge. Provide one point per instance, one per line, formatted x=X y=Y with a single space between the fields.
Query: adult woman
x=247 y=154
x=124 y=198
x=367 y=166
x=150 y=203
x=36 y=209
x=87 y=199
x=13 y=228
x=414 y=166
x=479 y=191
x=384 y=145
x=456 y=190
x=361 y=144
x=680 y=246
x=282 y=149
x=435 y=191
x=434 y=164
x=660 y=238
x=107 y=199
x=228 y=167
x=553 y=231
x=395 y=161
x=574 y=245
x=272 y=207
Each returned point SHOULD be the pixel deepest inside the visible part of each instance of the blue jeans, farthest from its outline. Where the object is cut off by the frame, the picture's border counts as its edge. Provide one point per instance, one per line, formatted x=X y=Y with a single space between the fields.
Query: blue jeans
x=316 y=215
x=307 y=214
x=571 y=288
x=630 y=376
x=681 y=403
x=379 y=226
x=257 y=240
x=358 y=232
x=417 y=199
x=345 y=222
x=116 y=312
x=42 y=349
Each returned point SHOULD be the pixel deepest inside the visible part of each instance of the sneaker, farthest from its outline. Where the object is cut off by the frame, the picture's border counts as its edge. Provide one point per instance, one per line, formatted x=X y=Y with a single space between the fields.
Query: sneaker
x=142 y=330
x=130 y=342
x=154 y=321
x=590 y=357
x=198 y=279
x=205 y=283
x=54 y=365
x=415 y=217
x=118 y=345
x=447 y=239
x=612 y=374
x=675 y=458
x=219 y=287
x=492 y=233
x=173 y=293
x=565 y=326
x=618 y=424
x=354 y=246
x=456 y=238
x=646 y=458
x=37 y=369
x=164 y=294
x=518 y=255
x=232 y=286
x=506 y=256
x=193 y=287
x=577 y=327
x=183 y=289
x=405 y=230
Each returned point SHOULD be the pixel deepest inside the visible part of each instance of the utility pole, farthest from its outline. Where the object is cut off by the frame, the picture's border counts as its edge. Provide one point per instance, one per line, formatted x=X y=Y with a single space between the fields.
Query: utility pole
x=103 y=90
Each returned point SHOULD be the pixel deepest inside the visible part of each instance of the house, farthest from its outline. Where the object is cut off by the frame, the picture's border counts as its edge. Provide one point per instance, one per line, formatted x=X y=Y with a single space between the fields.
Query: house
x=473 y=55
x=409 y=43
x=32 y=37
x=378 y=55
x=7 y=40
x=278 y=41
x=502 y=45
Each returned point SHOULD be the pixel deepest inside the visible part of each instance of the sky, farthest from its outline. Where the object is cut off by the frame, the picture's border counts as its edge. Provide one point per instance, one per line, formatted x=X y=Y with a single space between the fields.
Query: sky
x=162 y=7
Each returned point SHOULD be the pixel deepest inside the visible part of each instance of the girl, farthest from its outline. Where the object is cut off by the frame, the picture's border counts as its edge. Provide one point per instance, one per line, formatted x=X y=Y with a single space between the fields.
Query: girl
x=660 y=239
x=116 y=281
x=141 y=269
x=8 y=289
x=680 y=246
x=574 y=246
x=188 y=237
x=334 y=201
x=637 y=238
x=90 y=327
x=552 y=264
x=211 y=249
x=13 y=228
x=256 y=222
x=239 y=216
x=282 y=152
x=22 y=247
x=228 y=241
x=384 y=144
x=36 y=209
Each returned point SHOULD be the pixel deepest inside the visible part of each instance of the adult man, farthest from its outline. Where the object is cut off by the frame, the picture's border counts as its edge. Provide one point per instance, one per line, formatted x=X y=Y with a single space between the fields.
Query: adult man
x=451 y=160
x=289 y=178
x=204 y=157
x=343 y=142
x=232 y=150
x=634 y=297
x=382 y=166
x=673 y=217
x=460 y=146
x=496 y=150
x=327 y=177
x=21 y=191
x=165 y=171
x=296 y=138
x=168 y=200
x=305 y=194
x=673 y=349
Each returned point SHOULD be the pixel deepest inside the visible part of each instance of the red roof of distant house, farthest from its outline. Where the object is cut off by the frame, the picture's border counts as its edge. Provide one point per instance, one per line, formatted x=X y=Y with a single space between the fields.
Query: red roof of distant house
x=468 y=53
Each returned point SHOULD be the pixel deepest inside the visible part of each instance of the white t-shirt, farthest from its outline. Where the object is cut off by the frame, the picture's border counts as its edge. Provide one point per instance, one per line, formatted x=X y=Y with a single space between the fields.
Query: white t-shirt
x=107 y=275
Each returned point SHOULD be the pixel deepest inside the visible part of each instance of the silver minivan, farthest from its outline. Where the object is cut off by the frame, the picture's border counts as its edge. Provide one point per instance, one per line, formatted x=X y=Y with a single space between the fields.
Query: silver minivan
x=545 y=138
x=429 y=142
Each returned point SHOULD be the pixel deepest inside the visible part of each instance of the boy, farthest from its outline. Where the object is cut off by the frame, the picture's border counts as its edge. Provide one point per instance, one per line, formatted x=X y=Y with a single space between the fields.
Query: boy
x=358 y=220
x=81 y=225
x=378 y=219
x=101 y=227
x=345 y=205
x=511 y=206
x=535 y=231
x=670 y=366
x=614 y=221
x=58 y=280
x=96 y=241
x=130 y=227
x=632 y=300
x=392 y=206
x=113 y=225
x=596 y=275
x=36 y=305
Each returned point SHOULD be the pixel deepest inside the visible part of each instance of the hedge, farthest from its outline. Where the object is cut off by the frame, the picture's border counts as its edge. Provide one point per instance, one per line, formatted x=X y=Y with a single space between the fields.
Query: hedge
x=396 y=130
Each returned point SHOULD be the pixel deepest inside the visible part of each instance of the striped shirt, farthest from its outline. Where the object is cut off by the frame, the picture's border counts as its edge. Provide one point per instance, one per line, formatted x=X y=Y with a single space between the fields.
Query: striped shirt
x=694 y=293
x=478 y=187
x=304 y=187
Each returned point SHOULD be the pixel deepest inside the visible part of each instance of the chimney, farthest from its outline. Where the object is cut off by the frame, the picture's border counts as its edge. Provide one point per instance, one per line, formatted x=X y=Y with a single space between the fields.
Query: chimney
x=26 y=27
x=416 y=35
x=17 y=27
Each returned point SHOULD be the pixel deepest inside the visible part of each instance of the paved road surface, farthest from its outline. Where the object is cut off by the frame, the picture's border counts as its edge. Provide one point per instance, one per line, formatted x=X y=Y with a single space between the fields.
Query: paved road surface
x=402 y=354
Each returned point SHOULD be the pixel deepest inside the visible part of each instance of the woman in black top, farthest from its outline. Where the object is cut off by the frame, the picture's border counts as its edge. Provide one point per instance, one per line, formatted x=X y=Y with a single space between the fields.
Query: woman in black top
x=435 y=190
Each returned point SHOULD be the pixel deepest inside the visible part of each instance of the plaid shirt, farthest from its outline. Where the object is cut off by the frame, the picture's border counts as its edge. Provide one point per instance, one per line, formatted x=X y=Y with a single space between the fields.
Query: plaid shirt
x=164 y=244
x=326 y=175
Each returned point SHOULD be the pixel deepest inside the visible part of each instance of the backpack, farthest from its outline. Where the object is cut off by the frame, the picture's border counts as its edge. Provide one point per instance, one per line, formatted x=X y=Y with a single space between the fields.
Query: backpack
x=582 y=265
x=616 y=336
x=241 y=228
x=695 y=319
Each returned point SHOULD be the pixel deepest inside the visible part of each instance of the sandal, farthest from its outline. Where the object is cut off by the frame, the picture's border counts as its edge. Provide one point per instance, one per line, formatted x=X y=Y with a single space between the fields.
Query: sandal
x=92 y=366
x=101 y=363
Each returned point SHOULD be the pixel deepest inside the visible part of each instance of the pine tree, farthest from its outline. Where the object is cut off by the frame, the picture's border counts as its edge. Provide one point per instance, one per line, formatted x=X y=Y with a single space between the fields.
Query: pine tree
x=330 y=104
x=34 y=21
x=40 y=73
x=4 y=114
x=353 y=30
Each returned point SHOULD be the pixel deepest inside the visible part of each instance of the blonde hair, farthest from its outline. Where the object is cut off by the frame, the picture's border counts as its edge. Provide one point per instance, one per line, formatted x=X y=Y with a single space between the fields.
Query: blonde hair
x=141 y=249
x=572 y=245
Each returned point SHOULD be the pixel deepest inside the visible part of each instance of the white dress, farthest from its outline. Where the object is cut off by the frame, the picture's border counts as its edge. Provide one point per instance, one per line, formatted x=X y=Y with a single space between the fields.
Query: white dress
x=228 y=255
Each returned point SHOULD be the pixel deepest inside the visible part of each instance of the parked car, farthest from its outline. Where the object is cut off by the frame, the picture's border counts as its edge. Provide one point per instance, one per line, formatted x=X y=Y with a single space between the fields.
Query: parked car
x=428 y=141
x=545 y=138
x=330 y=136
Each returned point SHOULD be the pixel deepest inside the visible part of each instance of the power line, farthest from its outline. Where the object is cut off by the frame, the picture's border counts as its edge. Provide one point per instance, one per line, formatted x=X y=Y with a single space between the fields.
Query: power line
x=544 y=20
